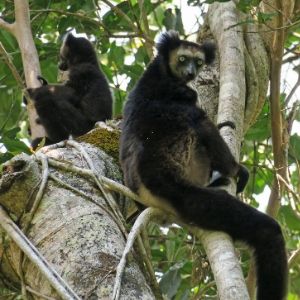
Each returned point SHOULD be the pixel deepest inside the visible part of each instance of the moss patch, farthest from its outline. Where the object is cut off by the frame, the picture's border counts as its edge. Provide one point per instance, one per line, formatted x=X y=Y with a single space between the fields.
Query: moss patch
x=104 y=139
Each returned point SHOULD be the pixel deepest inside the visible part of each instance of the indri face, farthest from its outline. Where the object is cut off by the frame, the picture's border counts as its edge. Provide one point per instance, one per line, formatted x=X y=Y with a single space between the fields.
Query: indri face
x=75 y=50
x=185 y=62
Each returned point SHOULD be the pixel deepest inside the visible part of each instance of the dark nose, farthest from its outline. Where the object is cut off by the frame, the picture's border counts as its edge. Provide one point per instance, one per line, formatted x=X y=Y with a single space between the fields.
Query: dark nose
x=190 y=75
x=63 y=66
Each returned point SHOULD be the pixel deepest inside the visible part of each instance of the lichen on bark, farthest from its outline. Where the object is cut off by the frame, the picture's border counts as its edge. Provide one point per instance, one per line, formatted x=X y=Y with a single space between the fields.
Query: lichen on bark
x=78 y=233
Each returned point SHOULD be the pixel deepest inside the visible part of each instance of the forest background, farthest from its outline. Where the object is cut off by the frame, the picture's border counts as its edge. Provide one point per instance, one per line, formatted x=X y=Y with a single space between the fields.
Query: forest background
x=124 y=33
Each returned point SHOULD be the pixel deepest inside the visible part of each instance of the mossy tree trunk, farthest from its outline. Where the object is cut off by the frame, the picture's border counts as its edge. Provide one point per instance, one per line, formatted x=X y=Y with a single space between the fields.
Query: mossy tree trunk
x=76 y=227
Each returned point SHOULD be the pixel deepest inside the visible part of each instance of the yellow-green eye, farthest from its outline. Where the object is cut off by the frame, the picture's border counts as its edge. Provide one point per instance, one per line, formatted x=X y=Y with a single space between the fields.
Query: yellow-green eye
x=199 y=62
x=181 y=58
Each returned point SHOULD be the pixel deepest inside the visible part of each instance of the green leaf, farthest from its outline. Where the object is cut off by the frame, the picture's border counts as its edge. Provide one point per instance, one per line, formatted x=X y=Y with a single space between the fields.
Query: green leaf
x=103 y=44
x=134 y=72
x=178 y=21
x=142 y=56
x=10 y=108
x=170 y=249
x=169 y=19
x=5 y=157
x=117 y=23
x=295 y=146
x=171 y=280
x=260 y=131
x=265 y=17
x=8 y=41
x=116 y=55
x=290 y=217
x=11 y=134
x=119 y=96
x=14 y=146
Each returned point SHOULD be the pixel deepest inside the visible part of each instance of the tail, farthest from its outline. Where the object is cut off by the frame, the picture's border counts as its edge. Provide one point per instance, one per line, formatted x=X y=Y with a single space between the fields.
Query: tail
x=215 y=209
x=271 y=261
x=243 y=176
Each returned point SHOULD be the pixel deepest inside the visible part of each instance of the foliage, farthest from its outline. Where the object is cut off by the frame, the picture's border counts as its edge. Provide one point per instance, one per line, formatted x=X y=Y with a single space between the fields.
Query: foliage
x=124 y=40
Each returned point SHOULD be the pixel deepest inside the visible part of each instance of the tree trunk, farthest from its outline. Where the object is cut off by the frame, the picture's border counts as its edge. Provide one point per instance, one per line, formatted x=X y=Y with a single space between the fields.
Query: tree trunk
x=233 y=89
x=74 y=227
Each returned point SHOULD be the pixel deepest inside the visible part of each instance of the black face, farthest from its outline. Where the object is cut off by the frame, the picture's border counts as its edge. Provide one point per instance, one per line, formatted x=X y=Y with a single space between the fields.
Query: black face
x=188 y=67
x=186 y=62
x=76 y=50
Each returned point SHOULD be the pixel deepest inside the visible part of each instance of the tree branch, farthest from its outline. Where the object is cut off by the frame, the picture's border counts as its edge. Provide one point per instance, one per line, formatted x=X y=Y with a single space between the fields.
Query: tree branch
x=294 y=258
x=22 y=31
x=142 y=221
x=10 y=27
x=275 y=44
x=278 y=131
x=231 y=108
x=128 y=20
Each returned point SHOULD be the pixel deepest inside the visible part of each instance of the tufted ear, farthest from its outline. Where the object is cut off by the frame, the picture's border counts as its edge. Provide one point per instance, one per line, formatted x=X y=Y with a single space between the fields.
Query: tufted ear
x=167 y=41
x=209 y=50
x=69 y=39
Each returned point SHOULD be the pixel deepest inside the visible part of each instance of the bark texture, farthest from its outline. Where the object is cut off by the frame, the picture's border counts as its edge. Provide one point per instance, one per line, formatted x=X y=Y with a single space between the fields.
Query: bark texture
x=230 y=106
x=242 y=71
x=77 y=232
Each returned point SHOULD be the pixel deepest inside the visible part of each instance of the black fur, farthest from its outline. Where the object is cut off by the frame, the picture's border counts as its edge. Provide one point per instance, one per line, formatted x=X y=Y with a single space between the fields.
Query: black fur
x=226 y=123
x=165 y=136
x=75 y=107
x=170 y=40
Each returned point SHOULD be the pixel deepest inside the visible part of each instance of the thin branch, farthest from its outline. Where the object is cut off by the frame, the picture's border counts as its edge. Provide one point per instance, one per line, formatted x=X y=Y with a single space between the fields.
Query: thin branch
x=266 y=30
x=294 y=258
x=28 y=218
x=293 y=50
x=110 y=184
x=290 y=59
x=277 y=8
x=143 y=219
x=128 y=20
x=87 y=18
x=292 y=116
x=124 y=36
x=144 y=14
x=278 y=133
x=7 y=59
x=40 y=193
x=10 y=27
x=73 y=14
x=289 y=187
x=146 y=27
x=110 y=200
x=119 y=12
x=32 y=291
x=143 y=243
